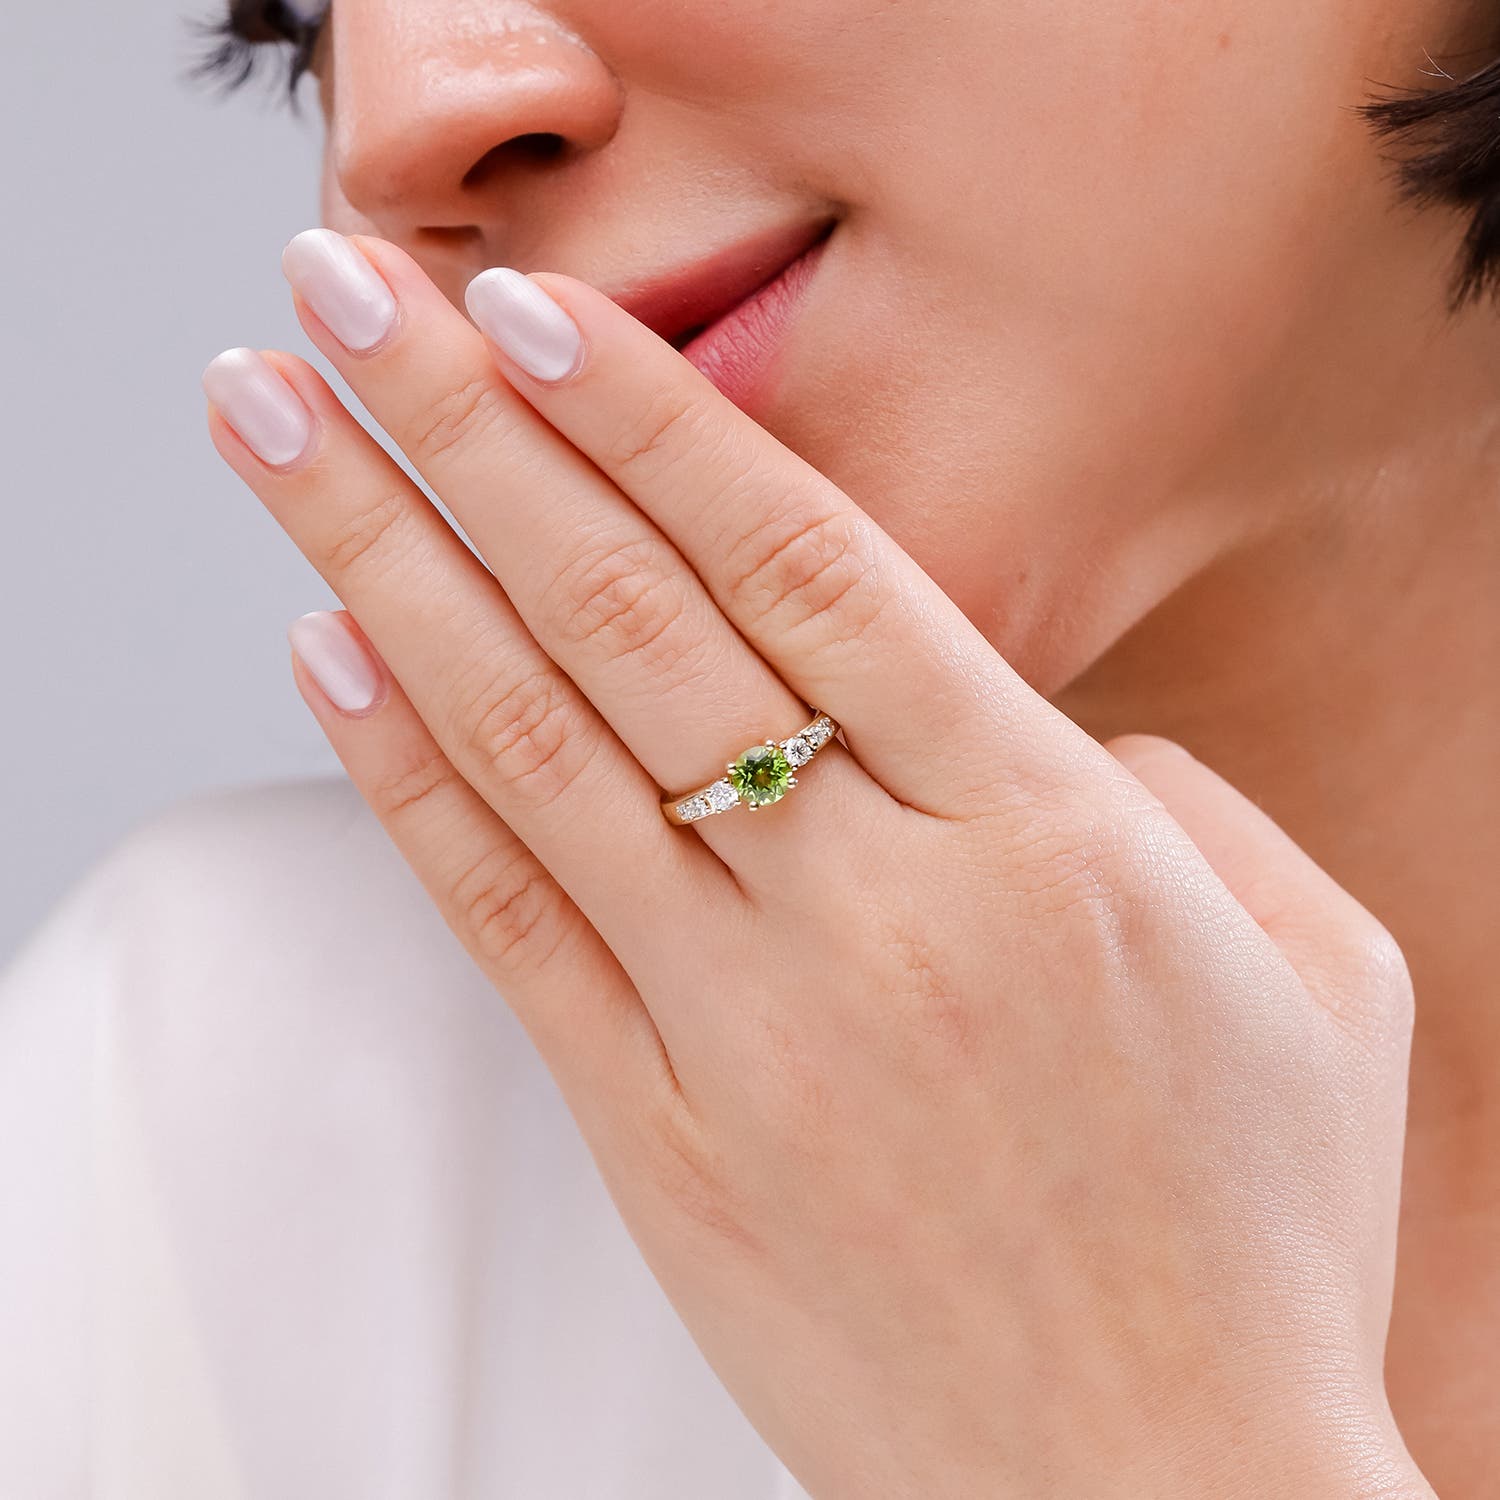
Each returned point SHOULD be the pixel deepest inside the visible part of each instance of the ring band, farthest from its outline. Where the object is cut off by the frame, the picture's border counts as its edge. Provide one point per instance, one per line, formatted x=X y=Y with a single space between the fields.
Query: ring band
x=761 y=775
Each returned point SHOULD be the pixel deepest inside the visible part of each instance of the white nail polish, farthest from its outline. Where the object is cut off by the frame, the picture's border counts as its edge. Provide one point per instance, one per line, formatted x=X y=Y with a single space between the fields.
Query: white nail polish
x=339 y=663
x=525 y=322
x=341 y=286
x=263 y=409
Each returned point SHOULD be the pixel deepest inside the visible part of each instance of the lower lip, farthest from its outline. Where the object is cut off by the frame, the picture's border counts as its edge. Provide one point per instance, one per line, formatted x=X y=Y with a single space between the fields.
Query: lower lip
x=738 y=352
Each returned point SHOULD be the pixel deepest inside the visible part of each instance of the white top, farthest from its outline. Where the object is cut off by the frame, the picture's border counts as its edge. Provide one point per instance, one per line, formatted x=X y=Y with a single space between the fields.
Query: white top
x=290 y=1209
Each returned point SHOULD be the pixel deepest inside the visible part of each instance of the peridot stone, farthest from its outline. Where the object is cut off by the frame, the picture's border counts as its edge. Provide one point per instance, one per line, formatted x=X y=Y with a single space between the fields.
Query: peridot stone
x=761 y=775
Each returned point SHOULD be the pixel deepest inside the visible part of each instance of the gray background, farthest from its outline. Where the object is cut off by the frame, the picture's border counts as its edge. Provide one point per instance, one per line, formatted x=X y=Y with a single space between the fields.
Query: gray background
x=145 y=592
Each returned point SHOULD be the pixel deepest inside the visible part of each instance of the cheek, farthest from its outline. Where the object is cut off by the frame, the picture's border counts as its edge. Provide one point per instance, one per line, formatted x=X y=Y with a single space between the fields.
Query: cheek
x=1156 y=179
x=334 y=209
x=1096 y=250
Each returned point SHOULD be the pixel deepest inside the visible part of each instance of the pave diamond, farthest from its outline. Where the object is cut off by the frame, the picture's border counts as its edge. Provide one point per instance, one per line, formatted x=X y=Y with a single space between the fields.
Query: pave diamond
x=761 y=775
x=818 y=731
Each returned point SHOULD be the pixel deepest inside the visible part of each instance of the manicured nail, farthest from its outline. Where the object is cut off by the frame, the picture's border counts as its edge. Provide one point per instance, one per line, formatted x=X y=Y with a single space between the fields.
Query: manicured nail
x=258 y=403
x=339 y=662
x=341 y=286
x=525 y=322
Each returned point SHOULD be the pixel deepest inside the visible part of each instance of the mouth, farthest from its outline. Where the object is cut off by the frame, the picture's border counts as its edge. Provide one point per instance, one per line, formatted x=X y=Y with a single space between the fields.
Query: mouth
x=726 y=313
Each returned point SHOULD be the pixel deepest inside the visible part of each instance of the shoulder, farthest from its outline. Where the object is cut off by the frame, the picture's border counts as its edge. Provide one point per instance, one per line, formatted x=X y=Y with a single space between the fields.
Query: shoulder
x=249 y=977
x=278 y=879
x=256 y=1098
x=275 y=842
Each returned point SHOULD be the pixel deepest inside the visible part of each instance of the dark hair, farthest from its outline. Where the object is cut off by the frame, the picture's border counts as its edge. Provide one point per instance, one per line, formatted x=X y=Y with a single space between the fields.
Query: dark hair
x=232 y=46
x=1446 y=149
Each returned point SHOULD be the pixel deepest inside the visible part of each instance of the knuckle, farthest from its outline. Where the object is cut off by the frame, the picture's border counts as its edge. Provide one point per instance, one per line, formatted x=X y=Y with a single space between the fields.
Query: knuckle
x=370 y=540
x=453 y=418
x=1373 y=971
x=1135 y=750
x=526 y=734
x=1070 y=862
x=655 y=438
x=1384 y=964
x=799 y=567
x=1068 y=848
x=505 y=906
x=624 y=600
x=415 y=784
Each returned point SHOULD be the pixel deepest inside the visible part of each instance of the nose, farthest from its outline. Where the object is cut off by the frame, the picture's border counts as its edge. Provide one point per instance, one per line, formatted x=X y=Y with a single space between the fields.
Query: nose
x=436 y=110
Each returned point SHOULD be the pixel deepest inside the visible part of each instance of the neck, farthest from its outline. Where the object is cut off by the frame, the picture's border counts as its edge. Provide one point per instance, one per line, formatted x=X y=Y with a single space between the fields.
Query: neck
x=1343 y=670
x=1346 y=676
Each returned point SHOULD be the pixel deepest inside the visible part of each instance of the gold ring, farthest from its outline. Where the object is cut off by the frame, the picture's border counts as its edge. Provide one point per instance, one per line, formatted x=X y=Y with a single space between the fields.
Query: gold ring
x=761 y=775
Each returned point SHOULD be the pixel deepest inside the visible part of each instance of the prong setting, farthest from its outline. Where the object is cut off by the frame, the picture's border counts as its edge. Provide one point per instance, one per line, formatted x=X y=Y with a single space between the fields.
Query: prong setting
x=761 y=775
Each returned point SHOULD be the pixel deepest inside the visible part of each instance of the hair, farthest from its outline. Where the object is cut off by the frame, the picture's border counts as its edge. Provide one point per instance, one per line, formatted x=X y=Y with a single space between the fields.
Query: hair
x=1446 y=144
x=250 y=39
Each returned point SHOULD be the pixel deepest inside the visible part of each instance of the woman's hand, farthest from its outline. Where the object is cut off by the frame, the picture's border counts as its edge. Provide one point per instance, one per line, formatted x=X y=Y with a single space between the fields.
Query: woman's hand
x=995 y=1128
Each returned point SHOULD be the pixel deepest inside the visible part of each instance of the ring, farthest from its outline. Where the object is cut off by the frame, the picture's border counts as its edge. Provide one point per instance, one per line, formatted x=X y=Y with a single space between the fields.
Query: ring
x=758 y=777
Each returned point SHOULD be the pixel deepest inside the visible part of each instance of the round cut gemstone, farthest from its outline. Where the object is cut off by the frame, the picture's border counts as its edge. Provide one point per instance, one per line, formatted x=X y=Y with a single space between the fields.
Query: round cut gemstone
x=762 y=774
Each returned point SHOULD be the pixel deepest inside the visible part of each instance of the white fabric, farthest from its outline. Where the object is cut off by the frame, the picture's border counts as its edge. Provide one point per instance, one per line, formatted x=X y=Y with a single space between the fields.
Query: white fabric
x=290 y=1209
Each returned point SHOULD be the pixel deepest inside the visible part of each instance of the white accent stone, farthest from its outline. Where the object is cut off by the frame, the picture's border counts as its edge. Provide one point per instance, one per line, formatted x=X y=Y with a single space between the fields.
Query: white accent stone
x=721 y=796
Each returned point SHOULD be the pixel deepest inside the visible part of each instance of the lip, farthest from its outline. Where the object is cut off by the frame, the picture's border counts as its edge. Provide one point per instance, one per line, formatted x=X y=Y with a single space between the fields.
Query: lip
x=729 y=311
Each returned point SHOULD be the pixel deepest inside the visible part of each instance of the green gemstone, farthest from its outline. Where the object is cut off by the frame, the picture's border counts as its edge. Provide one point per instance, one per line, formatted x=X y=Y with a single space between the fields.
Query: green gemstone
x=762 y=774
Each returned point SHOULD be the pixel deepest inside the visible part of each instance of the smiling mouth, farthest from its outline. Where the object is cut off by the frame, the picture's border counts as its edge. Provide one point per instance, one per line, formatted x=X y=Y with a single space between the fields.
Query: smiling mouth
x=688 y=335
x=681 y=306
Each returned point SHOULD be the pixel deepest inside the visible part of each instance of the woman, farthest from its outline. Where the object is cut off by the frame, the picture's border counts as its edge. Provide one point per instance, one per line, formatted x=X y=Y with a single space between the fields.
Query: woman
x=1056 y=404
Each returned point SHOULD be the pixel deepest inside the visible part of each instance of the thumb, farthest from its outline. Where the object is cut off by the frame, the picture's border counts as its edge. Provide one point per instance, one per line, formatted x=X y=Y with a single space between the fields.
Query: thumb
x=1346 y=958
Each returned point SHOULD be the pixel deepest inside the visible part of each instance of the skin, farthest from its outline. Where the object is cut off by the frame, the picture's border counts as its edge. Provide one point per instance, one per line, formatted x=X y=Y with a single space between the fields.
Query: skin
x=1189 y=445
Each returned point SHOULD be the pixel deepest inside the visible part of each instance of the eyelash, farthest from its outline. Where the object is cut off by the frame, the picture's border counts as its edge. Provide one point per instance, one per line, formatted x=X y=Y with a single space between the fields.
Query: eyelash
x=235 y=46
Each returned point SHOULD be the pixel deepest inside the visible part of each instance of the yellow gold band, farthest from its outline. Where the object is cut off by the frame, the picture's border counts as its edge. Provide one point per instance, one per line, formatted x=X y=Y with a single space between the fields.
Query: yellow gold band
x=761 y=775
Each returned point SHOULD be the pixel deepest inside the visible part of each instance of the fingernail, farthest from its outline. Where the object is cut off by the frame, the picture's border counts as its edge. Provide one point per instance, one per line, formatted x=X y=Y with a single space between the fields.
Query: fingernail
x=259 y=404
x=525 y=322
x=341 y=286
x=339 y=662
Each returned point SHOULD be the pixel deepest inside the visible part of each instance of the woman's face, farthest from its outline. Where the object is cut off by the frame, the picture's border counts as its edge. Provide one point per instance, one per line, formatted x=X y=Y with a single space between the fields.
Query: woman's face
x=1096 y=269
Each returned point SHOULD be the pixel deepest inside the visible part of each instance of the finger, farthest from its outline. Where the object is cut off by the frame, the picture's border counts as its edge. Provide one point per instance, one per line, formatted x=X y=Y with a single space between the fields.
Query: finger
x=841 y=612
x=531 y=941
x=513 y=725
x=1344 y=956
x=599 y=586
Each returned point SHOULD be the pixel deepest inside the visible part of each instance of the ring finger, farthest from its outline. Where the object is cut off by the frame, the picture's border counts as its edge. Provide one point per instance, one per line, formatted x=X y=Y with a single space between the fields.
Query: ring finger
x=514 y=726
x=600 y=586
